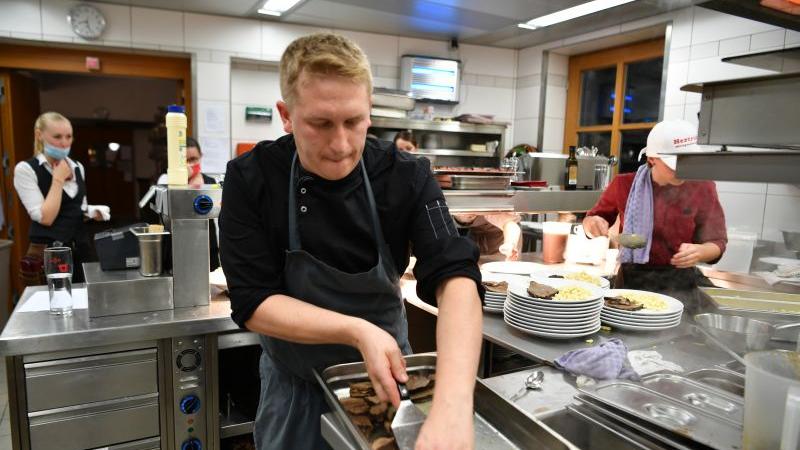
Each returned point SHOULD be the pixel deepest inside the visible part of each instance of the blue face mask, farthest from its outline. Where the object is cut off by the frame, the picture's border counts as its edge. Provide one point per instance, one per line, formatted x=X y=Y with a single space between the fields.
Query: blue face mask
x=56 y=153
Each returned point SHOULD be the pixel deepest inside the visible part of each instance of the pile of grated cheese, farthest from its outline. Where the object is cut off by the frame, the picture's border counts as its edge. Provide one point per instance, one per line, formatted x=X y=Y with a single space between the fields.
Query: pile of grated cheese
x=584 y=276
x=575 y=293
x=649 y=301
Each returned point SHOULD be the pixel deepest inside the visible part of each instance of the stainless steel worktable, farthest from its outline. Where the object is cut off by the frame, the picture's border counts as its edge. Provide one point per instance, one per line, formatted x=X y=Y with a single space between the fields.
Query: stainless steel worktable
x=547 y=350
x=39 y=331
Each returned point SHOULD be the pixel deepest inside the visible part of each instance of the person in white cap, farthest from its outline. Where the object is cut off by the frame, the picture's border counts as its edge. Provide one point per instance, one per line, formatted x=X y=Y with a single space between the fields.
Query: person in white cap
x=682 y=220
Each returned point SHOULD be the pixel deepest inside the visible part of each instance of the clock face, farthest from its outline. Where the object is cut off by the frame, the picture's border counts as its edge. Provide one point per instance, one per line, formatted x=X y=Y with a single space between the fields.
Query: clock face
x=86 y=21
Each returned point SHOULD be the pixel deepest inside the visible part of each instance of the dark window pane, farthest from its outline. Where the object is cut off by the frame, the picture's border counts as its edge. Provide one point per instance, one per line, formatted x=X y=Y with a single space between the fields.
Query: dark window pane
x=601 y=140
x=632 y=143
x=597 y=96
x=642 y=91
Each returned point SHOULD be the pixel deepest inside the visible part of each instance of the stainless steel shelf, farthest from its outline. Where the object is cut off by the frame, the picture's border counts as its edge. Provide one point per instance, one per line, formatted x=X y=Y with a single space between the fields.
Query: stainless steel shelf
x=776 y=166
x=234 y=425
x=449 y=152
x=456 y=127
x=532 y=202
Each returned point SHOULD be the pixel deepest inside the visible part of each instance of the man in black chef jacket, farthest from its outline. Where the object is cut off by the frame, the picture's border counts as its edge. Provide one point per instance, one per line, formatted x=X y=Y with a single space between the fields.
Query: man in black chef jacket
x=315 y=230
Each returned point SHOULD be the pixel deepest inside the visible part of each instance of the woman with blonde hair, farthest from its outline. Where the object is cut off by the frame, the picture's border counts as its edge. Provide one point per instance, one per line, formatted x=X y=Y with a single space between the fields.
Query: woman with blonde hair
x=52 y=188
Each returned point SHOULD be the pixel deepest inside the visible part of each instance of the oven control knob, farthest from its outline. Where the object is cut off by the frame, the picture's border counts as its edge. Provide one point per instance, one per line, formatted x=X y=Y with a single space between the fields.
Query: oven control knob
x=203 y=204
x=192 y=444
x=190 y=404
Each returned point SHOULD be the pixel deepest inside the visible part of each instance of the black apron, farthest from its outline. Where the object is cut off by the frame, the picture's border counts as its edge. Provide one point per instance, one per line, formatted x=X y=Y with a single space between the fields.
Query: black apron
x=682 y=284
x=67 y=227
x=291 y=402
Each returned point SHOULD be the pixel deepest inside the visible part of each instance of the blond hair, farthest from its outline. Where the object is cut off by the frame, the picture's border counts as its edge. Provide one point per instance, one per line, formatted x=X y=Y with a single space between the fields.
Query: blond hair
x=41 y=124
x=323 y=54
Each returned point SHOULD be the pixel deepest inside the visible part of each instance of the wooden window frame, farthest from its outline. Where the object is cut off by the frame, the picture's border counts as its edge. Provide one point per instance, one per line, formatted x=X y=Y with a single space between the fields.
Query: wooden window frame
x=614 y=57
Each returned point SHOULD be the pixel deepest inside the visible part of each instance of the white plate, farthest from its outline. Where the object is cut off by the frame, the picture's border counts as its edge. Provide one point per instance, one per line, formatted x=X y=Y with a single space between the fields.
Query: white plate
x=521 y=290
x=554 y=327
x=511 y=267
x=628 y=326
x=644 y=319
x=493 y=310
x=556 y=320
x=551 y=335
x=493 y=295
x=639 y=323
x=545 y=274
x=556 y=305
x=536 y=309
x=673 y=305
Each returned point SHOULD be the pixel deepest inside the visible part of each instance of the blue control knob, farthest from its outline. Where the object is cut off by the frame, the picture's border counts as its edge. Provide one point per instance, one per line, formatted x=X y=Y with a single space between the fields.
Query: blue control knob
x=203 y=204
x=192 y=444
x=190 y=404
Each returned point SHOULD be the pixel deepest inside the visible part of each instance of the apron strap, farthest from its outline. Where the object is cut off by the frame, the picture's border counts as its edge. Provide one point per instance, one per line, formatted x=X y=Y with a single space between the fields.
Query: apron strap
x=294 y=234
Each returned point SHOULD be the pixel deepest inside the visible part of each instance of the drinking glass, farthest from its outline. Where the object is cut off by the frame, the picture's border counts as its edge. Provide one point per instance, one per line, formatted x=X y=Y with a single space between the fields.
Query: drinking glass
x=58 y=270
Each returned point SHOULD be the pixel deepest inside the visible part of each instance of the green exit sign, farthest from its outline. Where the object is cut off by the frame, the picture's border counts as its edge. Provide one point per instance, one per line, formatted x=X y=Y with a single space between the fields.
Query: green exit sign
x=257 y=114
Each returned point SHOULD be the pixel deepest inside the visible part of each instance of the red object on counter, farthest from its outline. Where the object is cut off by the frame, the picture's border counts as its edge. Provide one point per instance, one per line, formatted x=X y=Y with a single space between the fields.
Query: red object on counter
x=689 y=213
x=533 y=183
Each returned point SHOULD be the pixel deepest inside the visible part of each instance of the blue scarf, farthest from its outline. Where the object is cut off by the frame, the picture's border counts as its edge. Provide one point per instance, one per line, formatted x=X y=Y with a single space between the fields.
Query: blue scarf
x=639 y=216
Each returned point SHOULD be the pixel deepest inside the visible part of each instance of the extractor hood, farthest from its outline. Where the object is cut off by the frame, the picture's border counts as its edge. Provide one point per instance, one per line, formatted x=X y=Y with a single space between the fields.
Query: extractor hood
x=755 y=123
x=782 y=61
x=759 y=10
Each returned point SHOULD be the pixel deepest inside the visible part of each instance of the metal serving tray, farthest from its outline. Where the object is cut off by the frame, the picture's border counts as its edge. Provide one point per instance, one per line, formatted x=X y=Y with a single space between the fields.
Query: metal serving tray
x=663 y=411
x=498 y=424
x=723 y=405
x=766 y=305
x=477 y=182
x=725 y=380
x=622 y=420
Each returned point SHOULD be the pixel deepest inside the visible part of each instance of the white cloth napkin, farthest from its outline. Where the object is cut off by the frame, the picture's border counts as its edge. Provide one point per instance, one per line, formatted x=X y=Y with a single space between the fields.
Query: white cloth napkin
x=104 y=211
x=645 y=362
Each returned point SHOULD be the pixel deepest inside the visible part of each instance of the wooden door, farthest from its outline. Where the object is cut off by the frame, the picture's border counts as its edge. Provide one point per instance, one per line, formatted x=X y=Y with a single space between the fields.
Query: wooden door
x=19 y=108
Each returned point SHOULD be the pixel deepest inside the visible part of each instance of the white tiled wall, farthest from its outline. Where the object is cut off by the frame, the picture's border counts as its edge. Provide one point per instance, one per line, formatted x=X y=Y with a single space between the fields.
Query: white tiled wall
x=700 y=39
x=489 y=73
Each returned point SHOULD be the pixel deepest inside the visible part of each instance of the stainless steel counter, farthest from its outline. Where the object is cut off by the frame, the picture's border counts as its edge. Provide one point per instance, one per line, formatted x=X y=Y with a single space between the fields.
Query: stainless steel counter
x=36 y=332
x=520 y=201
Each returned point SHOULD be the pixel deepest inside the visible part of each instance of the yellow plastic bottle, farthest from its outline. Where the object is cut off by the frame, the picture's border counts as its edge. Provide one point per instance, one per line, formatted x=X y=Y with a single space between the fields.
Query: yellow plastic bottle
x=177 y=174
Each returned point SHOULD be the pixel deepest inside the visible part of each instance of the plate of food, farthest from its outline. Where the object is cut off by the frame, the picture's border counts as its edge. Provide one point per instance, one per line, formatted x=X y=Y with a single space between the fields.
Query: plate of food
x=574 y=275
x=634 y=303
x=549 y=291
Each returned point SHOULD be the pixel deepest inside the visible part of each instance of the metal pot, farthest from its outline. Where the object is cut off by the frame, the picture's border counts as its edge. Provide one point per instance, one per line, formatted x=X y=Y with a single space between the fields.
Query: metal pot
x=740 y=334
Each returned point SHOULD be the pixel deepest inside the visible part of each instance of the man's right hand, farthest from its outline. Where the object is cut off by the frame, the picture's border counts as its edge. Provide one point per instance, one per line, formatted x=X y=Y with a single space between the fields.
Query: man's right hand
x=62 y=172
x=384 y=360
x=595 y=226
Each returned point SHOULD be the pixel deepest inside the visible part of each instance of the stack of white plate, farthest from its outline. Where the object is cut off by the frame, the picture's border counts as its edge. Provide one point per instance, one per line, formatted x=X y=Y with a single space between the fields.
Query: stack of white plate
x=643 y=319
x=493 y=301
x=556 y=319
x=560 y=273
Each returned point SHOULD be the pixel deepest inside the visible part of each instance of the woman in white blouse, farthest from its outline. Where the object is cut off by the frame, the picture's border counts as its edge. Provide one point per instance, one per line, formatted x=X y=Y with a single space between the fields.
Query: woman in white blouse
x=52 y=188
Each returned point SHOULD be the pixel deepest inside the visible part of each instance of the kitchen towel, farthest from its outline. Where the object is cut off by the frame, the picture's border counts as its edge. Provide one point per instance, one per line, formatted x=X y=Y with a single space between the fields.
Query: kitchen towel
x=649 y=361
x=605 y=361
x=639 y=216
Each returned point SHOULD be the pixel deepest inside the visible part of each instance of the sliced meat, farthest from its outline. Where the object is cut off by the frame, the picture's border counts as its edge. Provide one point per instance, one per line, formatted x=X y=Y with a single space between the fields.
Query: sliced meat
x=374 y=400
x=496 y=286
x=417 y=382
x=354 y=405
x=378 y=410
x=363 y=423
x=623 y=303
x=362 y=389
x=539 y=290
x=383 y=443
x=422 y=395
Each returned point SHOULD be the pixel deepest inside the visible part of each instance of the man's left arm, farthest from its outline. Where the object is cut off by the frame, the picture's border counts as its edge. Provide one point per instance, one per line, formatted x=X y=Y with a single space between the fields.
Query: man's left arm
x=458 y=344
x=448 y=277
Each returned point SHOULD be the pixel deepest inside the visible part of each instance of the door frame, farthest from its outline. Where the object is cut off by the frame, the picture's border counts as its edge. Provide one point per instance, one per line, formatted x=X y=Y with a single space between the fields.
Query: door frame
x=73 y=59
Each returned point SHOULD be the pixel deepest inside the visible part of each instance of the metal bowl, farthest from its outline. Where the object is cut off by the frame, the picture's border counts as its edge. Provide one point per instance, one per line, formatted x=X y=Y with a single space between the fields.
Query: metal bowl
x=740 y=334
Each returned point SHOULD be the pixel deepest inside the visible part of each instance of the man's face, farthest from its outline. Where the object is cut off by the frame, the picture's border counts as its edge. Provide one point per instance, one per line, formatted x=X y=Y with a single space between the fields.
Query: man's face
x=329 y=119
x=661 y=173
